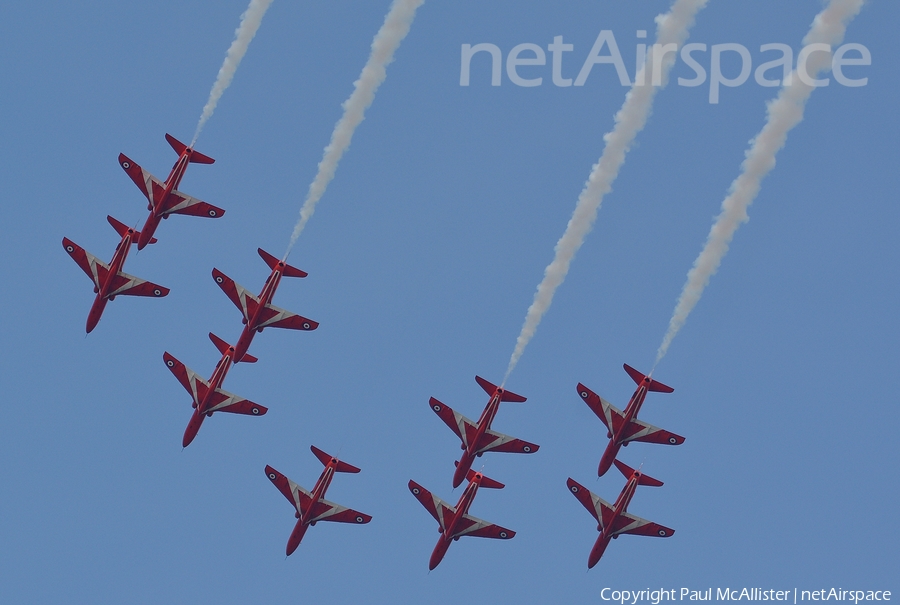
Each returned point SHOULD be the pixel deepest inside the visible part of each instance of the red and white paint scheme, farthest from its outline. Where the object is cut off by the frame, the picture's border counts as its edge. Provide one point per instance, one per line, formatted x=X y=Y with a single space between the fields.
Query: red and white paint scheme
x=312 y=507
x=258 y=311
x=477 y=437
x=455 y=521
x=207 y=395
x=109 y=280
x=612 y=520
x=624 y=427
x=164 y=198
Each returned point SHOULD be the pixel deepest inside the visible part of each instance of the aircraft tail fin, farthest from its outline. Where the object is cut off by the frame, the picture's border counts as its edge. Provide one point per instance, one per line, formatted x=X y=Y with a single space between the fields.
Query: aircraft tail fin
x=642 y=479
x=505 y=395
x=638 y=378
x=122 y=229
x=485 y=480
x=287 y=270
x=342 y=467
x=196 y=156
x=224 y=346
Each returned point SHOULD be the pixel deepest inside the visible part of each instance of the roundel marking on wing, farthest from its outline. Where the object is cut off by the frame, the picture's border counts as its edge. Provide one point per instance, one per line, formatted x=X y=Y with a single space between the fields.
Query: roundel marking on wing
x=503 y=534
x=415 y=490
x=126 y=165
x=662 y=532
x=272 y=476
x=219 y=279
x=255 y=411
x=170 y=363
x=527 y=449
x=306 y=325
x=436 y=408
x=157 y=292
x=359 y=519
x=584 y=395
x=212 y=213
x=574 y=489
x=70 y=249
x=672 y=440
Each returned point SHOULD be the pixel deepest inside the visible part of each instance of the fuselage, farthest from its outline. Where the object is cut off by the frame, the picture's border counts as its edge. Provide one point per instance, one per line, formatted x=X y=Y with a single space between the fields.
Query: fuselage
x=605 y=527
x=253 y=325
x=105 y=289
x=304 y=516
x=471 y=449
x=157 y=206
x=450 y=527
x=617 y=437
x=201 y=409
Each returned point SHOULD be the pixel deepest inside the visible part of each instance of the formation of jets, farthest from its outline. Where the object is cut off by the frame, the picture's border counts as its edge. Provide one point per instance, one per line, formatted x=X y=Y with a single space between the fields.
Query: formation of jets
x=476 y=438
x=622 y=428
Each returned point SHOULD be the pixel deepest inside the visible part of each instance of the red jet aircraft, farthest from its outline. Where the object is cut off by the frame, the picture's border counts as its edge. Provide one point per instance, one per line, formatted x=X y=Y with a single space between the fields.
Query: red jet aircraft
x=454 y=522
x=624 y=427
x=164 y=198
x=477 y=437
x=109 y=280
x=258 y=312
x=313 y=507
x=611 y=518
x=208 y=396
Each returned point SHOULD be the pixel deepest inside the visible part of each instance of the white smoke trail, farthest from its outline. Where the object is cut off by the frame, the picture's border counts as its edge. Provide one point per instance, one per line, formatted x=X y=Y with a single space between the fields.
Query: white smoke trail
x=395 y=27
x=785 y=112
x=672 y=28
x=250 y=21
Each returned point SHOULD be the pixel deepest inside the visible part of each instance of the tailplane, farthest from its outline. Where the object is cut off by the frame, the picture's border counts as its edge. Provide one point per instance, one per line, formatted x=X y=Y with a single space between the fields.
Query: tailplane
x=485 y=480
x=224 y=346
x=505 y=395
x=195 y=158
x=642 y=478
x=342 y=467
x=639 y=378
x=122 y=229
x=286 y=270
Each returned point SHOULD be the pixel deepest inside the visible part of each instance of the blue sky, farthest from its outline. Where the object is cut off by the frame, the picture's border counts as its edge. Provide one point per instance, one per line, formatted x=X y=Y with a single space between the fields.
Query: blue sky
x=423 y=257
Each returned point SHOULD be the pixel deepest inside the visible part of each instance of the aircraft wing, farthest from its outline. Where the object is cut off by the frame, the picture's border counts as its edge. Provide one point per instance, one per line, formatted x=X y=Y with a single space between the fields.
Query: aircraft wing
x=296 y=495
x=190 y=380
x=599 y=508
x=498 y=442
x=129 y=285
x=323 y=510
x=641 y=431
x=629 y=524
x=92 y=266
x=180 y=203
x=242 y=298
x=149 y=185
x=477 y=528
x=609 y=414
x=223 y=401
x=464 y=428
x=440 y=510
x=274 y=317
